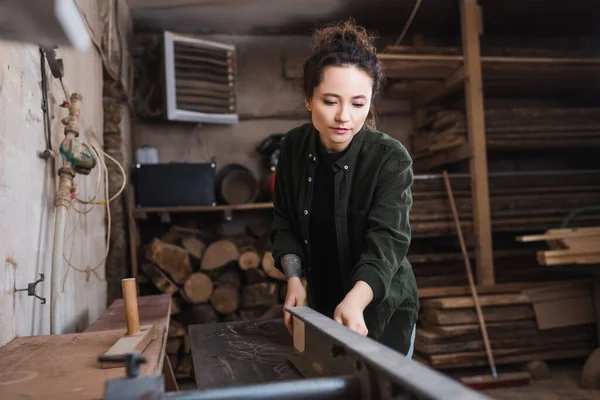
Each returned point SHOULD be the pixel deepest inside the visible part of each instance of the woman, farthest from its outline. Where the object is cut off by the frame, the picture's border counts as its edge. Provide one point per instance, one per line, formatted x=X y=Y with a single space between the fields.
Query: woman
x=342 y=198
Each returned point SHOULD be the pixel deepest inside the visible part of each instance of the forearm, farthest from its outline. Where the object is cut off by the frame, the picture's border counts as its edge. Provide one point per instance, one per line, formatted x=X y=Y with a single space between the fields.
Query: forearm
x=361 y=294
x=292 y=266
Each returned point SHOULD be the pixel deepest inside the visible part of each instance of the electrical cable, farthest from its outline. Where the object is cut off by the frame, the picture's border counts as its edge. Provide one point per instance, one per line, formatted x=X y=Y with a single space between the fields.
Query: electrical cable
x=99 y=156
x=116 y=14
x=412 y=15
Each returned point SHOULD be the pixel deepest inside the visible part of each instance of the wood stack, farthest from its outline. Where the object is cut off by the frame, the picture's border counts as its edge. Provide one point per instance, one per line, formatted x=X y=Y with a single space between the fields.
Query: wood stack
x=547 y=323
x=569 y=246
x=227 y=279
x=519 y=201
x=512 y=129
x=435 y=269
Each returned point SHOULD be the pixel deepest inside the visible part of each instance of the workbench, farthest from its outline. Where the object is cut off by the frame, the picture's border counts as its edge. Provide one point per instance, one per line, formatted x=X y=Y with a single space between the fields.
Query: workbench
x=66 y=367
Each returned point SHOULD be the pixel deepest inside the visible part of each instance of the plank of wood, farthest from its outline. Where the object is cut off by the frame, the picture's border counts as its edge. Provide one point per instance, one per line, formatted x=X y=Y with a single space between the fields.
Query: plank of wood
x=565 y=312
x=129 y=343
x=469 y=15
x=428 y=342
x=511 y=356
x=447 y=87
x=467 y=302
x=563 y=290
x=561 y=233
x=443 y=291
x=468 y=316
x=63 y=366
x=153 y=310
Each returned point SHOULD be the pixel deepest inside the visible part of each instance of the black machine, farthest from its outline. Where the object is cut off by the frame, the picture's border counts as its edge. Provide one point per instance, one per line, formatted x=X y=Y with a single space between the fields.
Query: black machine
x=175 y=184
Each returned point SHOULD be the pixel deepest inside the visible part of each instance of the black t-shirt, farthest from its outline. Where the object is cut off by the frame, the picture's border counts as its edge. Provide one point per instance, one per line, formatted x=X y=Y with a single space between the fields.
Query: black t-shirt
x=325 y=275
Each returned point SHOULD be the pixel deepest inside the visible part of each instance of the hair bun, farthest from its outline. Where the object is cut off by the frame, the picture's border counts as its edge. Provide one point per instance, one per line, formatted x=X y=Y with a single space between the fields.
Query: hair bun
x=344 y=31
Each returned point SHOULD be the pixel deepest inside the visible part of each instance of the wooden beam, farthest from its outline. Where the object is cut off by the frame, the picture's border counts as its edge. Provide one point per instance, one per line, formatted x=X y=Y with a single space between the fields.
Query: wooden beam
x=459 y=153
x=476 y=135
x=449 y=86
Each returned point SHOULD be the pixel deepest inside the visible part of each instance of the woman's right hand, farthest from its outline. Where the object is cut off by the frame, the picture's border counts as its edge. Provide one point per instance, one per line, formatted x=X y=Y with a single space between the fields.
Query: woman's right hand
x=295 y=297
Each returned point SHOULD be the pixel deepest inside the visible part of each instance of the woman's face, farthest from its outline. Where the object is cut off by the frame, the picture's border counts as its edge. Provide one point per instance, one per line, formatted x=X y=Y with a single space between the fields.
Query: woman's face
x=340 y=105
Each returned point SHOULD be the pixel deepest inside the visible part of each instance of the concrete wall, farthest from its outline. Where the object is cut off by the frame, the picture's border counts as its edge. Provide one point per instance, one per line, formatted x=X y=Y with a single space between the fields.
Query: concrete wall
x=28 y=184
x=268 y=103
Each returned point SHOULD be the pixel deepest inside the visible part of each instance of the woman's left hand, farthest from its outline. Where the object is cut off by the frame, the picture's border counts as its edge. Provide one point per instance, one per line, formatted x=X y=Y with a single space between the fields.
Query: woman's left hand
x=350 y=314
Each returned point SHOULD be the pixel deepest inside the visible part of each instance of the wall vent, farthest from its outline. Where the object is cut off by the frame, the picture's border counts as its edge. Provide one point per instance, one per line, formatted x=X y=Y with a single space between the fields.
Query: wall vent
x=200 y=77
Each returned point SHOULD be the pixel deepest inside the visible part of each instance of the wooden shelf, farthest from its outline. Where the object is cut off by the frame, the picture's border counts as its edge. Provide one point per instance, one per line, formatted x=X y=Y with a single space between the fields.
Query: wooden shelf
x=426 y=78
x=141 y=212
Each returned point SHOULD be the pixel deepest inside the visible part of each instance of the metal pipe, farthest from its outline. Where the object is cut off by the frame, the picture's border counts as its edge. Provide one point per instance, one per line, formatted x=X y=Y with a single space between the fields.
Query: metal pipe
x=62 y=201
x=331 y=388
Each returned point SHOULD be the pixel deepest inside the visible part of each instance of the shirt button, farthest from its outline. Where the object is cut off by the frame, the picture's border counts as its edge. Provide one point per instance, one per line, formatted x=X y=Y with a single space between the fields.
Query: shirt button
x=310 y=156
x=345 y=167
x=305 y=241
x=314 y=158
x=305 y=212
x=309 y=179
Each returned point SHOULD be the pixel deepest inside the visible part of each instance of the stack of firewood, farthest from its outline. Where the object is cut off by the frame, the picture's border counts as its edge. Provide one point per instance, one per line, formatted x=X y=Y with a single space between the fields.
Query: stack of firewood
x=224 y=280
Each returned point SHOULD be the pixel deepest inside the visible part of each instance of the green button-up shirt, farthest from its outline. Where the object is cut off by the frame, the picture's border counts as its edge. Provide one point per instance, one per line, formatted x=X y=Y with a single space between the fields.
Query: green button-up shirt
x=372 y=204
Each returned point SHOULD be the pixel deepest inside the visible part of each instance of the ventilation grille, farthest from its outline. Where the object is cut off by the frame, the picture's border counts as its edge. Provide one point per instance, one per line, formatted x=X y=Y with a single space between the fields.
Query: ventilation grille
x=200 y=79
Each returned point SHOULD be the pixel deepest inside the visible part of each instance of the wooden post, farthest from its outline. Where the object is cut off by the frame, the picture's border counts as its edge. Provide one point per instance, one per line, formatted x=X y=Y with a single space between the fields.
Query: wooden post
x=131 y=306
x=470 y=28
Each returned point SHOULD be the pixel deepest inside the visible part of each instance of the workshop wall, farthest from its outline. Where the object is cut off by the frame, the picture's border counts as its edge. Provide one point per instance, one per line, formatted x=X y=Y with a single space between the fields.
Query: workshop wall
x=28 y=184
x=268 y=103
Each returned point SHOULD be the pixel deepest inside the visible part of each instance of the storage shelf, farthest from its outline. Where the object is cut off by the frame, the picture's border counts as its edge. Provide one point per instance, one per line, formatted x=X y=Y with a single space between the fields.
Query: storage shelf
x=426 y=78
x=141 y=212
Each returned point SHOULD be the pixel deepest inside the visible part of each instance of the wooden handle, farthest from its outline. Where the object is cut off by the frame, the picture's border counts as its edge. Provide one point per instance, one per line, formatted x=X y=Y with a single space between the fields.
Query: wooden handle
x=463 y=247
x=131 y=306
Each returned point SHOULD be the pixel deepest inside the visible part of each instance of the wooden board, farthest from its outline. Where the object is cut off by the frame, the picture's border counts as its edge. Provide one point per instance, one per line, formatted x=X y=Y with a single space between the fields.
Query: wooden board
x=239 y=353
x=61 y=366
x=469 y=316
x=153 y=310
x=467 y=302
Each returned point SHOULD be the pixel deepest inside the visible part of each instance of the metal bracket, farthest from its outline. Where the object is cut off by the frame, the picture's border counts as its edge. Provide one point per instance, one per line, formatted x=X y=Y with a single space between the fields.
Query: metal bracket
x=31 y=289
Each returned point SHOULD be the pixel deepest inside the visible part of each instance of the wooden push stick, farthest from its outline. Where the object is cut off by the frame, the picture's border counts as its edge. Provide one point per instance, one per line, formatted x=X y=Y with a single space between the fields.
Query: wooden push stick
x=463 y=247
x=135 y=338
x=131 y=306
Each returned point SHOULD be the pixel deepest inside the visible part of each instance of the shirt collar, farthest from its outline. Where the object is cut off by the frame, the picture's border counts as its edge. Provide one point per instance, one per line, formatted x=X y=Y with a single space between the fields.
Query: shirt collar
x=348 y=159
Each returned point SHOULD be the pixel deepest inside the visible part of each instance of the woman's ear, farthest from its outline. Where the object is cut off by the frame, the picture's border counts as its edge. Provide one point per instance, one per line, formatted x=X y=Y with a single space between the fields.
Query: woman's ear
x=308 y=104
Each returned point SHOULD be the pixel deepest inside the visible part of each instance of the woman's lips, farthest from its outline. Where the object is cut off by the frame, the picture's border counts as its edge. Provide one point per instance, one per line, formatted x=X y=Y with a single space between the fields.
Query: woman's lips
x=341 y=131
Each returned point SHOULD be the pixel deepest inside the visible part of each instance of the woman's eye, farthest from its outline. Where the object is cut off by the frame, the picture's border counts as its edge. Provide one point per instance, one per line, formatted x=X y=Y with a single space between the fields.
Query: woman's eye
x=329 y=102
x=358 y=105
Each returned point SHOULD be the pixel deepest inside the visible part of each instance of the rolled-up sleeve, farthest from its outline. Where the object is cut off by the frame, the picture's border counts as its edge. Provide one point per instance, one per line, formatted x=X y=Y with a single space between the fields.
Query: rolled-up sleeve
x=388 y=229
x=283 y=235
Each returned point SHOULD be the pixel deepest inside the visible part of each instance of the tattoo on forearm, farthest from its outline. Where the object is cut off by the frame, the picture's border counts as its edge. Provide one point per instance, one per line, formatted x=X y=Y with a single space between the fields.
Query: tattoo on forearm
x=291 y=266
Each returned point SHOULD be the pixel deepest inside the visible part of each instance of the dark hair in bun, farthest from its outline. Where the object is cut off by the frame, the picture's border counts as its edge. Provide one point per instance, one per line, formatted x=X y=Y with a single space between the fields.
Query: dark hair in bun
x=343 y=44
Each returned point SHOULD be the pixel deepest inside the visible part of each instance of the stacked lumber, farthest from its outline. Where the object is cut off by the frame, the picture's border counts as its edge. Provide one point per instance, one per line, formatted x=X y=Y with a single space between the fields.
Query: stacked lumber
x=512 y=129
x=548 y=323
x=511 y=266
x=519 y=201
x=516 y=71
x=569 y=246
x=227 y=279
